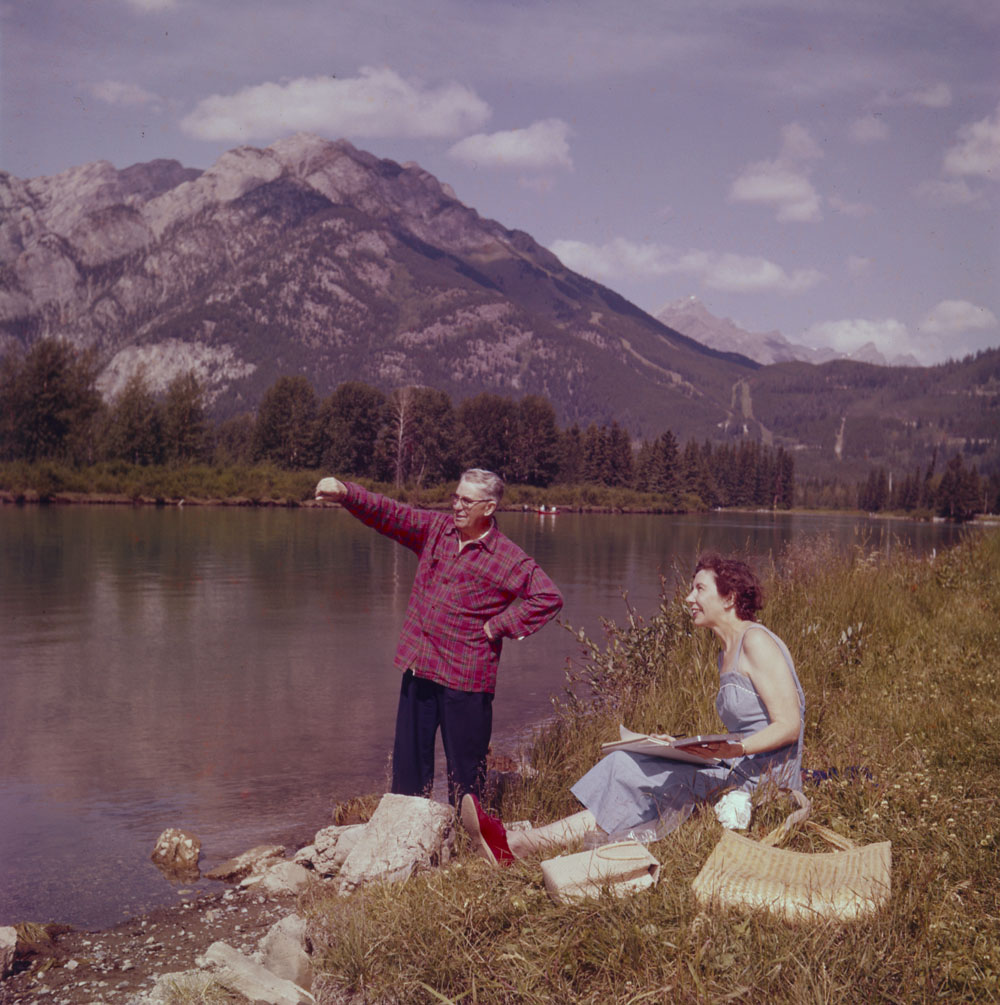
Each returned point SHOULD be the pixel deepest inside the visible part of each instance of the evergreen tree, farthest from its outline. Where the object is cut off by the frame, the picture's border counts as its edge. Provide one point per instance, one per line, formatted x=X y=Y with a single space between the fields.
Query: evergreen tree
x=619 y=452
x=185 y=434
x=486 y=428
x=665 y=468
x=643 y=477
x=535 y=442
x=571 y=456
x=285 y=433
x=873 y=496
x=234 y=441
x=785 y=480
x=348 y=426
x=596 y=459
x=434 y=455
x=48 y=403
x=959 y=494
x=134 y=430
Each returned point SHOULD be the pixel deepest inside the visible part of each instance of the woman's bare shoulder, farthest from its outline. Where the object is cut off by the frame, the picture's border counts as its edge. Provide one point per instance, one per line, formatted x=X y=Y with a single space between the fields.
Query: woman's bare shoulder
x=760 y=647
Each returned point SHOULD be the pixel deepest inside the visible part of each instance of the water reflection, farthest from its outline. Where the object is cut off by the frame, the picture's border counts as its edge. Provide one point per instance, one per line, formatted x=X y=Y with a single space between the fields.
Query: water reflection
x=230 y=671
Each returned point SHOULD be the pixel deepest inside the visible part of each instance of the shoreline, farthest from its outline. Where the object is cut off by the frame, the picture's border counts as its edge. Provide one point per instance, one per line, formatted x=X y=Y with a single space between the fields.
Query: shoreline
x=29 y=497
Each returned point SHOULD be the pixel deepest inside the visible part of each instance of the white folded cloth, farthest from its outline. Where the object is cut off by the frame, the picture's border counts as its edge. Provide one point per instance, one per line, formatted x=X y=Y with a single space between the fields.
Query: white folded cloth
x=733 y=810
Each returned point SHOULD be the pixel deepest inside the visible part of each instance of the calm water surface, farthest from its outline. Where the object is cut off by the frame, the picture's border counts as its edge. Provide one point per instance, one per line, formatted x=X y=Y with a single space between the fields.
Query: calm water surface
x=230 y=672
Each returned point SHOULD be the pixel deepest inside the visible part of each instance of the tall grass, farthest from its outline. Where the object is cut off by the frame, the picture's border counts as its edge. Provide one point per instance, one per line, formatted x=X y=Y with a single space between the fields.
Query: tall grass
x=900 y=662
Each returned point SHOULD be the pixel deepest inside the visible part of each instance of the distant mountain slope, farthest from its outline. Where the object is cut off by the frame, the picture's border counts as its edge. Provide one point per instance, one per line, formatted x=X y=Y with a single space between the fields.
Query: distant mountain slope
x=845 y=417
x=690 y=316
x=314 y=257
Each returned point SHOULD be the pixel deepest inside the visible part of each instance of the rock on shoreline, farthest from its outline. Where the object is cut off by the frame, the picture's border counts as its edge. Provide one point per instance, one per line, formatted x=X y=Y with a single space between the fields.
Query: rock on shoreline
x=248 y=939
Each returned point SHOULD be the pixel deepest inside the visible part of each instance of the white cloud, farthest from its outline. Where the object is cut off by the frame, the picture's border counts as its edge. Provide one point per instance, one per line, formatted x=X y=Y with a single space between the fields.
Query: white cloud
x=378 y=102
x=889 y=336
x=726 y=271
x=152 y=5
x=933 y=96
x=783 y=183
x=857 y=265
x=977 y=151
x=772 y=183
x=957 y=317
x=858 y=210
x=941 y=194
x=869 y=128
x=798 y=145
x=751 y=274
x=117 y=92
x=541 y=145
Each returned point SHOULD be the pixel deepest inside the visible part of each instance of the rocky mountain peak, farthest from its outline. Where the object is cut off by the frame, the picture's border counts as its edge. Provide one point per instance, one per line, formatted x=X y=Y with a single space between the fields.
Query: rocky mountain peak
x=312 y=256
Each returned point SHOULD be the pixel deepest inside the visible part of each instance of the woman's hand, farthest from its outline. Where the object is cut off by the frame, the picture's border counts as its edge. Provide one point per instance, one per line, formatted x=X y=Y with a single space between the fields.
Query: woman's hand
x=708 y=749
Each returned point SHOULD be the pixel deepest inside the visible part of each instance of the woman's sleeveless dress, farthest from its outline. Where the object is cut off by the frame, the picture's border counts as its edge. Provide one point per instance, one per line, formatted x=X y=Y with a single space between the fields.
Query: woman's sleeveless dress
x=634 y=795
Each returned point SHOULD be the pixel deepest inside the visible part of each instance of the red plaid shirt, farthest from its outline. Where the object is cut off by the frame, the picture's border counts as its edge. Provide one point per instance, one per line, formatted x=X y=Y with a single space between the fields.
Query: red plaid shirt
x=456 y=593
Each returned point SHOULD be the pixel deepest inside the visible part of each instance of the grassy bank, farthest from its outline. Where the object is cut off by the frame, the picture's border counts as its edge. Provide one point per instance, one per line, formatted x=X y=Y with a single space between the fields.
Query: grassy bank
x=265 y=484
x=899 y=661
x=118 y=482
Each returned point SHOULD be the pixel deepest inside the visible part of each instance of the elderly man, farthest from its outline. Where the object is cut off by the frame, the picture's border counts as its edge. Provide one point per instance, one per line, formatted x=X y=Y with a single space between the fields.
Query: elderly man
x=461 y=608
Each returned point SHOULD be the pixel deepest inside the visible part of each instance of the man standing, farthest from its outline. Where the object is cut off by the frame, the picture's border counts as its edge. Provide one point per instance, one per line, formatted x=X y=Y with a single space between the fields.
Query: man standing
x=461 y=608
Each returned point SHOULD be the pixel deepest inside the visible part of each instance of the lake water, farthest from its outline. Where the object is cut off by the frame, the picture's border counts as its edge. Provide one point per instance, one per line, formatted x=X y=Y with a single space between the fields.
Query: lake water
x=229 y=672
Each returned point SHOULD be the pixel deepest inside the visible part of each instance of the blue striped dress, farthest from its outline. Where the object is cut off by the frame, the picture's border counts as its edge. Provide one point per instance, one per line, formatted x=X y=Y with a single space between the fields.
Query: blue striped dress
x=635 y=795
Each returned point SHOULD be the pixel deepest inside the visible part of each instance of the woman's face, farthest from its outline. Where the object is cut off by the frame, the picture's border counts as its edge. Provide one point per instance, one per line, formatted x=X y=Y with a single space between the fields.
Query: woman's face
x=705 y=603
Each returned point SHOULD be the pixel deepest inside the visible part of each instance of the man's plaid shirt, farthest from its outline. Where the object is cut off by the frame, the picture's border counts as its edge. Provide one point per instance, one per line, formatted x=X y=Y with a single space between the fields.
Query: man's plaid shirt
x=456 y=593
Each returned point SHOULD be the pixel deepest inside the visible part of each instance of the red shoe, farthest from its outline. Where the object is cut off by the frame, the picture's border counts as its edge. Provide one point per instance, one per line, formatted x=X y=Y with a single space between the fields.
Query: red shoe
x=488 y=832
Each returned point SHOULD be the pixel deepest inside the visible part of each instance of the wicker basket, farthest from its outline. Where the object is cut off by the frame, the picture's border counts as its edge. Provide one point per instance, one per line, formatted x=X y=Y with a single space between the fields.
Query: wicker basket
x=850 y=883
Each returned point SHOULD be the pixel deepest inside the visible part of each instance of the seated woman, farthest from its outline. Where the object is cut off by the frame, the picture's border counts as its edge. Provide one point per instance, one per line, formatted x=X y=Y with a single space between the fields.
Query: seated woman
x=645 y=797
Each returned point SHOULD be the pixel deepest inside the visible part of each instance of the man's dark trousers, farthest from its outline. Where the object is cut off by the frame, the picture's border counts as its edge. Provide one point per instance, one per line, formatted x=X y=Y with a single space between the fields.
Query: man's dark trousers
x=466 y=721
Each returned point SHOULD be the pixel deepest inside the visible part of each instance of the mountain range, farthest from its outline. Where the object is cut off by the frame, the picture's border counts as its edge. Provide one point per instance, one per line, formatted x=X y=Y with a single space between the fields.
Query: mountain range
x=690 y=316
x=314 y=257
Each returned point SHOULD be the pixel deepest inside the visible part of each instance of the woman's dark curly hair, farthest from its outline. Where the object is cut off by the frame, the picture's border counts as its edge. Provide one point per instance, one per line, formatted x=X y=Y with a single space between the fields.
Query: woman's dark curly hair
x=736 y=580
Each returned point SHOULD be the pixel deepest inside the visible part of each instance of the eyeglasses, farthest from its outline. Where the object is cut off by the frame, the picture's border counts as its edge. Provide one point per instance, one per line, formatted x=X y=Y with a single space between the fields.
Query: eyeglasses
x=464 y=502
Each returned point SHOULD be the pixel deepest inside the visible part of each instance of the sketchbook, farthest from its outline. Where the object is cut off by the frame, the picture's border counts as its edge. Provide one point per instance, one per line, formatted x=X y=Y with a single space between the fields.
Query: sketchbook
x=691 y=749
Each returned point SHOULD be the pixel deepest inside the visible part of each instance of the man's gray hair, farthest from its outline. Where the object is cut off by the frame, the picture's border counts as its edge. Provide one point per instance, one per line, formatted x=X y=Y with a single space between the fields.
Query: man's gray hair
x=490 y=483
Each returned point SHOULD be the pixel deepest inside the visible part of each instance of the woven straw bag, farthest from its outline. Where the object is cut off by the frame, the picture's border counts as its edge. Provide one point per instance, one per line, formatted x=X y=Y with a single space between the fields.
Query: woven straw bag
x=800 y=886
x=620 y=868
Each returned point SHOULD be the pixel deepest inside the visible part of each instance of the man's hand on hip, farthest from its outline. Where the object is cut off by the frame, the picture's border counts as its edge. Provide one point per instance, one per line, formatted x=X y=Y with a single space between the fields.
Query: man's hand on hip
x=330 y=489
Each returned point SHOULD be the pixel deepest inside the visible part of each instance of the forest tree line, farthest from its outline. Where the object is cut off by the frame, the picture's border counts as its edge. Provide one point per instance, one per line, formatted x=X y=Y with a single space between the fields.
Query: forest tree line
x=50 y=408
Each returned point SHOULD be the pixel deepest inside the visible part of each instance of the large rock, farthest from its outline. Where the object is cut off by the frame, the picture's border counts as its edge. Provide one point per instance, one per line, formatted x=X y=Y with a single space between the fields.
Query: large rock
x=176 y=854
x=285 y=949
x=330 y=848
x=251 y=979
x=251 y=863
x=285 y=877
x=405 y=834
x=8 y=945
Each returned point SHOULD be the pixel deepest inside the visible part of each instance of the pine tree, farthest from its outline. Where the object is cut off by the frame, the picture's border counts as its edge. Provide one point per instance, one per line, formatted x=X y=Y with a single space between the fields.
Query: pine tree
x=285 y=432
x=48 y=403
x=134 y=430
x=185 y=433
x=347 y=427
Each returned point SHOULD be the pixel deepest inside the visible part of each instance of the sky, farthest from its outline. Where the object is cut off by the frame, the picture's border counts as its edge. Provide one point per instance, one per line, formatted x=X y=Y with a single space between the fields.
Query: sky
x=829 y=169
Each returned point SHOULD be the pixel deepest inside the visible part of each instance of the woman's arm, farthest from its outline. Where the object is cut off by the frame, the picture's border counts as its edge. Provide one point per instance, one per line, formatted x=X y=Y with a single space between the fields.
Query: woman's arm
x=764 y=664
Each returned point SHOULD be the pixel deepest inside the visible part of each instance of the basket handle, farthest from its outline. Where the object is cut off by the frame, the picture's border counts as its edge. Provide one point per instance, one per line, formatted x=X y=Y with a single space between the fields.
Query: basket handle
x=784 y=830
x=610 y=852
